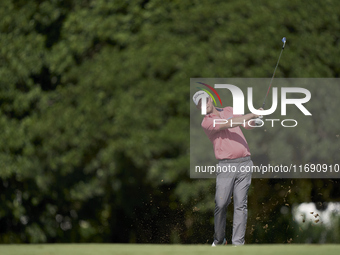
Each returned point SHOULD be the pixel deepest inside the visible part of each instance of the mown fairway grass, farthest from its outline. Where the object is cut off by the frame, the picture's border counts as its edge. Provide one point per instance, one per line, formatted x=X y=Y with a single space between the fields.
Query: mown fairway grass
x=153 y=249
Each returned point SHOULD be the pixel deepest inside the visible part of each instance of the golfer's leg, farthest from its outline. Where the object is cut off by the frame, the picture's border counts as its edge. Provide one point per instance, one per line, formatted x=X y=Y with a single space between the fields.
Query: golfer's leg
x=240 y=197
x=224 y=187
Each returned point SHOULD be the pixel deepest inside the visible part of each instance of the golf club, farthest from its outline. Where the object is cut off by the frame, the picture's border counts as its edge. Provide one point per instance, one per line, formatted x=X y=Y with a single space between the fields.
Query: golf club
x=259 y=121
x=283 y=46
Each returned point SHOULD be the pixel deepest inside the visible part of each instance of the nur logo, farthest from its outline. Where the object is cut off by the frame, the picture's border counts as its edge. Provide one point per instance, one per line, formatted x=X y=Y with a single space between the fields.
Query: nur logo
x=203 y=105
x=238 y=101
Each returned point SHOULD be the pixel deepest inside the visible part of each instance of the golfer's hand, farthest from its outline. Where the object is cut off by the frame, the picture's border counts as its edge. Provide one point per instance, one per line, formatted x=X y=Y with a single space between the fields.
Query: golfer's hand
x=258 y=116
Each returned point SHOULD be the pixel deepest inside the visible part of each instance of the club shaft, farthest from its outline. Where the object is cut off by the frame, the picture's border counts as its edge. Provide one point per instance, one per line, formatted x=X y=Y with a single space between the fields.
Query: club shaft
x=264 y=102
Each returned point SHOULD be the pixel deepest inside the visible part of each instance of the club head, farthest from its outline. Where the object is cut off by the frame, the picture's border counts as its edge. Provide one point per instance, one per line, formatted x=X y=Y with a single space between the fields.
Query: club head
x=284 y=42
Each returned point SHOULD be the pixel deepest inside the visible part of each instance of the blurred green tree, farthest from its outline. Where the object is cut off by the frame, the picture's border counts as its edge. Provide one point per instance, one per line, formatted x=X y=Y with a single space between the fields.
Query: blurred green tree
x=95 y=114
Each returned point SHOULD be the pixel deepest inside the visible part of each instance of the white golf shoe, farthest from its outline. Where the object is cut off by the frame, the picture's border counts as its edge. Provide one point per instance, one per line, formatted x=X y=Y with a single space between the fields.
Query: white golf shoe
x=224 y=243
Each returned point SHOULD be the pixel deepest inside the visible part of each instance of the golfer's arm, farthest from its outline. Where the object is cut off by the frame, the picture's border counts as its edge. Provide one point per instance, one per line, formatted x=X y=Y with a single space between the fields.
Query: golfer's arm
x=252 y=123
x=237 y=121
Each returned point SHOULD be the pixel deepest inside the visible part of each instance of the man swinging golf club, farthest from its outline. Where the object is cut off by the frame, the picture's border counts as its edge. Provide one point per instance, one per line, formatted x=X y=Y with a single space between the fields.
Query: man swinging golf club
x=232 y=151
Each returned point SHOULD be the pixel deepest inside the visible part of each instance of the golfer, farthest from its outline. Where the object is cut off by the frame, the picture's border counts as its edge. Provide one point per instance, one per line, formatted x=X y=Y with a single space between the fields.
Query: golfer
x=232 y=151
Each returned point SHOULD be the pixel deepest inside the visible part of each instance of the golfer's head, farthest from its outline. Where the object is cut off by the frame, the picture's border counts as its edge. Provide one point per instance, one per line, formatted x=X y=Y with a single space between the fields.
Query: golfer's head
x=202 y=95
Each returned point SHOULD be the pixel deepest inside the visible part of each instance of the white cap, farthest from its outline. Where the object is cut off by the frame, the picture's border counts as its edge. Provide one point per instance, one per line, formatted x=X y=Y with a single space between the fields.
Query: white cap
x=198 y=95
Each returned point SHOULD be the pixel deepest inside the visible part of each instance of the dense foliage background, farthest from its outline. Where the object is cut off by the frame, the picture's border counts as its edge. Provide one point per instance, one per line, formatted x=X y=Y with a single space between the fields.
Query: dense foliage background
x=94 y=115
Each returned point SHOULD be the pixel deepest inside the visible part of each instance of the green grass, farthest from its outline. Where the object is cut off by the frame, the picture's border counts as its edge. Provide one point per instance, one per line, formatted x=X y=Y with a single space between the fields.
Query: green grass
x=153 y=249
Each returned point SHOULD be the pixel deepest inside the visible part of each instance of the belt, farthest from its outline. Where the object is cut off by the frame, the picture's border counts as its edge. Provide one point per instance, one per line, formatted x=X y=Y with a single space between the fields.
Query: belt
x=235 y=160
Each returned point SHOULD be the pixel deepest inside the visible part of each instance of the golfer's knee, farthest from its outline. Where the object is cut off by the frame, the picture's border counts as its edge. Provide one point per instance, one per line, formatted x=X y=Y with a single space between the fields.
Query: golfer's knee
x=221 y=205
x=241 y=207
